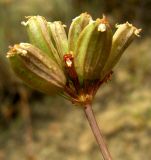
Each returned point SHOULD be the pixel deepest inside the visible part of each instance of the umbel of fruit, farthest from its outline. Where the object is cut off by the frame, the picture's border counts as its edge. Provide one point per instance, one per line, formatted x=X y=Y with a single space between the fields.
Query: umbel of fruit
x=73 y=65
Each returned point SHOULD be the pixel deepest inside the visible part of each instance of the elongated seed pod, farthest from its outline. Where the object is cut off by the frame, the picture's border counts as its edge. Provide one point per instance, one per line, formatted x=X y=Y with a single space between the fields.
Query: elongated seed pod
x=76 y=27
x=59 y=37
x=122 y=38
x=38 y=32
x=93 y=49
x=36 y=69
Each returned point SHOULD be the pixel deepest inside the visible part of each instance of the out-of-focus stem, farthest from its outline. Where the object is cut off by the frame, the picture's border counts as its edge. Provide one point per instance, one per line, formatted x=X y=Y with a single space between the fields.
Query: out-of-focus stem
x=97 y=132
x=26 y=115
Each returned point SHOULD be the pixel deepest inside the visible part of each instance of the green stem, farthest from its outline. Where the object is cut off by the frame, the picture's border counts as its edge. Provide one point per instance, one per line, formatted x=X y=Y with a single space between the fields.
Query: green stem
x=97 y=133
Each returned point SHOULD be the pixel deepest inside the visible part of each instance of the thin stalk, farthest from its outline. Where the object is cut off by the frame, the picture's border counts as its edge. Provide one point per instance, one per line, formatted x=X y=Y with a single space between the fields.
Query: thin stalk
x=97 y=132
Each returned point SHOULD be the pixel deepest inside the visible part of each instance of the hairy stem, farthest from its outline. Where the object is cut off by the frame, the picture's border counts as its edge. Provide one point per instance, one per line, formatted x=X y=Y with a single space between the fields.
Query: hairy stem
x=97 y=133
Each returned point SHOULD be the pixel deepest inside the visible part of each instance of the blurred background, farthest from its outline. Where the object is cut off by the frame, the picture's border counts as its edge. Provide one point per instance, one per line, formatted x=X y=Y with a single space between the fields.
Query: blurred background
x=34 y=126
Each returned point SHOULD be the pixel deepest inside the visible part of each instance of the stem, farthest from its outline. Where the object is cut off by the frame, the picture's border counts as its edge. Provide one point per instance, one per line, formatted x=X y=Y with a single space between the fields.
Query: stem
x=97 y=133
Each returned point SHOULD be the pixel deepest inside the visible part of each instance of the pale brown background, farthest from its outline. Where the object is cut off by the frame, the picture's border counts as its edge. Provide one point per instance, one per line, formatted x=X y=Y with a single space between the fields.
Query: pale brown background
x=39 y=127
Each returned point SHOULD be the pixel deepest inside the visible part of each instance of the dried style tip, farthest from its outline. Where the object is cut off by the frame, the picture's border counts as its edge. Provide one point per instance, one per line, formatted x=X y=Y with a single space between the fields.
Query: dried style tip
x=127 y=24
x=104 y=24
x=102 y=27
x=14 y=51
x=36 y=69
